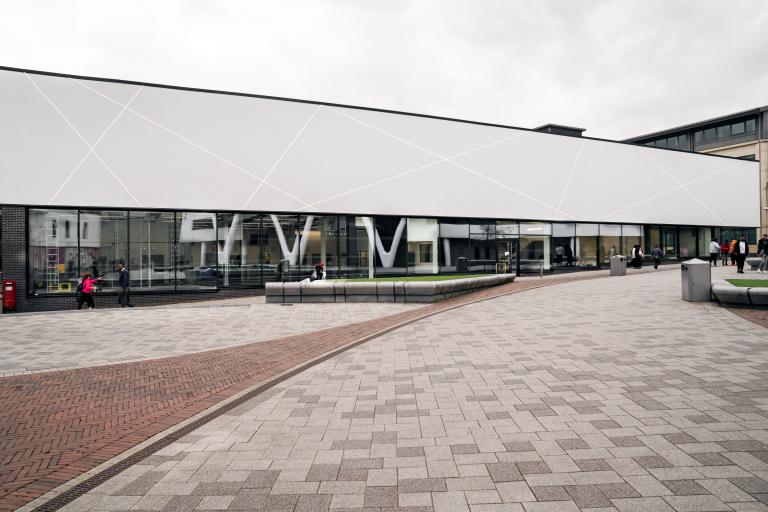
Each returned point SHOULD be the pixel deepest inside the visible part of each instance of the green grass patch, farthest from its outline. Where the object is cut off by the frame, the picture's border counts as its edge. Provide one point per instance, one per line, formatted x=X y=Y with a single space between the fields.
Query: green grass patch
x=411 y=278
x=749 y=283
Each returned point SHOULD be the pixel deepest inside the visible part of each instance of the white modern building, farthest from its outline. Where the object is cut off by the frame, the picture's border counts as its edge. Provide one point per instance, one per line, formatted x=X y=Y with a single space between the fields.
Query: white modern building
x=207 y=190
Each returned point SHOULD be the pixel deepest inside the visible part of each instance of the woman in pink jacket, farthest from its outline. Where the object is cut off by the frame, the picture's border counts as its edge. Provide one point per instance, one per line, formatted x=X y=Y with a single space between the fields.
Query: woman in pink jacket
x=85 y=290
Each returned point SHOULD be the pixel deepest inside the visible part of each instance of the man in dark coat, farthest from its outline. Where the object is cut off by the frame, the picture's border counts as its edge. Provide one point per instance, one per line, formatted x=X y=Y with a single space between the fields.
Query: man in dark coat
x=741 y=249
x=124 y=281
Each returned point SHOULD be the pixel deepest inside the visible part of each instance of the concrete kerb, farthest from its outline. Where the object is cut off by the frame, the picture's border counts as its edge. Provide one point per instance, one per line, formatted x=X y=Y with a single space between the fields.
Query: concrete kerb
x=71 y=490
x=380 y=291
x=727 y=293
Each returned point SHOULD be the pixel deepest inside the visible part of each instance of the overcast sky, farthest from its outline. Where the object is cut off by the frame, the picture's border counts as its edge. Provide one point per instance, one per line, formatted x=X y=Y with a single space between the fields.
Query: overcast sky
x=617 y=68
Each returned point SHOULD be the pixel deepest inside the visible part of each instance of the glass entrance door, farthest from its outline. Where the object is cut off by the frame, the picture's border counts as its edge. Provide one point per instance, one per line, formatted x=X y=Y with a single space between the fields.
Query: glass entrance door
x=669 y=243
x=506 y=260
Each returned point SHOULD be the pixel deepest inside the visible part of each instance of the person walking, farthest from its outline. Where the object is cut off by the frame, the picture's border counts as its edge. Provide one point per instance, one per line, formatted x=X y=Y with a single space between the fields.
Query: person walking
x=124 y=281
x=85 y=290
x=742 y=250
x=714 y=252
x=733 y=252
x=762 y=251
x=725 y=250
x=656 y=255
x=637 y=257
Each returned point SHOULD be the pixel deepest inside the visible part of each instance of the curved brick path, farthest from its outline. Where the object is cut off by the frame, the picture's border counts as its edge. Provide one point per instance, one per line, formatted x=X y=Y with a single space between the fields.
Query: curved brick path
x=57 y=425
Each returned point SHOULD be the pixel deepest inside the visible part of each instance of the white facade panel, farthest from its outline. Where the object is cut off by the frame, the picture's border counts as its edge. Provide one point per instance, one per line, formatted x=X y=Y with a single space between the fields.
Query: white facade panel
x=80 y=142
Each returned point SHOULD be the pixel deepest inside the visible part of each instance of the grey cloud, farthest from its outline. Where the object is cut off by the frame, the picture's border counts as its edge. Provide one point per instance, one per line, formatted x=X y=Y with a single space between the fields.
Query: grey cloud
x=617 y=68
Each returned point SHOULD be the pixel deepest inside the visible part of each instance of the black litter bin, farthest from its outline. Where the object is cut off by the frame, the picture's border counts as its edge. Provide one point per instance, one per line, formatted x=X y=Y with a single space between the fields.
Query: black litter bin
x=462 y=264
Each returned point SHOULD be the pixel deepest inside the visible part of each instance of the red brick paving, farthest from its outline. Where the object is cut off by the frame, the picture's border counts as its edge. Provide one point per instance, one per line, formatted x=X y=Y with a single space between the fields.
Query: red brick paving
x=57 y=425
x=756 y=316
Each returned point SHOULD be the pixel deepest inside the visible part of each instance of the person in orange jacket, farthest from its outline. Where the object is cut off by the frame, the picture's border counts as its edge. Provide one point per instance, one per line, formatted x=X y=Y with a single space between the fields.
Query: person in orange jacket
x=733 y=252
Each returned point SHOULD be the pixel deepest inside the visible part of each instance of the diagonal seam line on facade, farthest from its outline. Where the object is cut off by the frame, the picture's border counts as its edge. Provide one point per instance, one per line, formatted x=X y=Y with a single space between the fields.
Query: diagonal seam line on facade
x=92 y=150
x=192 y=143
x=282 y=155
x=460 y=166
x=666 y=192
x=416 y=169
x=675 y=180
x=570 y=177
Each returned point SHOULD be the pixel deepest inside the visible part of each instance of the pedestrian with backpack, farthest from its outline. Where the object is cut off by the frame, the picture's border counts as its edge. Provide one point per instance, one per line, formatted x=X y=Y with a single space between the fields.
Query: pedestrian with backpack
x=656 y=255
x=85 y=289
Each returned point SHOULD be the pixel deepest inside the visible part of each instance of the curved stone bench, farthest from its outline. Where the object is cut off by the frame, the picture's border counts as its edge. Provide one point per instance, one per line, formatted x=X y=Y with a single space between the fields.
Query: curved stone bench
x=728 y=293
x=379 y=291
x=753 y=262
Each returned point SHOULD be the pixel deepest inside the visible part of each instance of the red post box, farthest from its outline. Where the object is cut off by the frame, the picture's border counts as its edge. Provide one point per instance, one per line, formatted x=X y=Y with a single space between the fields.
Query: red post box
x=9 y=294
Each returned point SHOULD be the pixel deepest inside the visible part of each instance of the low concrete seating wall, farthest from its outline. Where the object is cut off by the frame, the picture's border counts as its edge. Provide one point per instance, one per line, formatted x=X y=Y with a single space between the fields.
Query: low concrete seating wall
x=753 y=262
x=379 y=291
x=728 y=293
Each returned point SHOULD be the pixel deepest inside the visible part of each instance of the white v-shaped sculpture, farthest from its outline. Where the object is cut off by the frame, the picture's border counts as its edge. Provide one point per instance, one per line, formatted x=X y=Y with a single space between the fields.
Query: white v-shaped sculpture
x=296 y=253
x=387 y=257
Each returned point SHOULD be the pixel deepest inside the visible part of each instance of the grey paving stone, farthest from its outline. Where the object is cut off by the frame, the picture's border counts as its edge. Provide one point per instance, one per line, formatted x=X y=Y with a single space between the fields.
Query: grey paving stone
x=752 y=485
x=587 y=496
x=182 y=503
x=572 y=444
x=322 y=472
x=533 y=467
x=381 y=497
x=550 y=493
x=313 y=503
x=463 y=449
x=249 y=499
x=684 y=487
x=519 y=446
x=261 y=479
x=618 y=491
x=504 y=472
x=421 y=485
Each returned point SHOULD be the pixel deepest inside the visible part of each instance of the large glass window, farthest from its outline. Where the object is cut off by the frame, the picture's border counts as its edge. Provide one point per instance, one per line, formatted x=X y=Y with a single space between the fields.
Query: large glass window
x=239 y=249
x=631 y=236
x=422 y=246
x=151 y=262
x=507 y=243
x=687 y=243
x=356 y=247
x=391 y=245
x=321 y=244
x=669 y=242
x=705 y=238
x=453 y=251
x=196 y=245
x=535 y=246
x=586 y=245
x=103 y=244
x=281 y=247
x=482 y=247
x=610 y=242
x=563 y=245
x=53 y=257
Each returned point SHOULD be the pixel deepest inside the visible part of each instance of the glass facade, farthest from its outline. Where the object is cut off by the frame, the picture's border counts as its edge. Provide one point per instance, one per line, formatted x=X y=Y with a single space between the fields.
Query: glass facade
x=610 y=242
x=54 y=261
x=535 y=246
x=150 y=250
x=586 y=245
x=177 y=251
